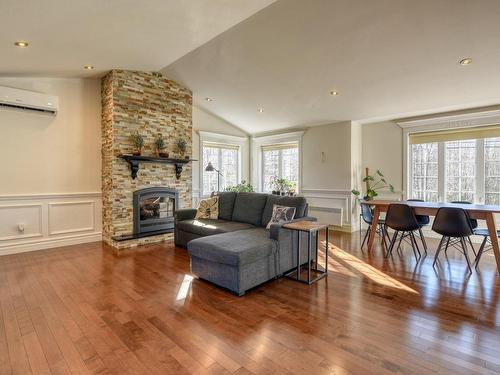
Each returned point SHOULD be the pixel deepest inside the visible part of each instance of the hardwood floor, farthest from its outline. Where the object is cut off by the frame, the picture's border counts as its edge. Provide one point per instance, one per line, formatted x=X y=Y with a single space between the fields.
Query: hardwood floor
x=82 y=309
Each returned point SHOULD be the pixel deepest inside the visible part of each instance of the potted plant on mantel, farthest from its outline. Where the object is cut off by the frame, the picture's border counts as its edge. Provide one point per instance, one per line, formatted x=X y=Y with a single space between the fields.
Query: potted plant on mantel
x=138 y=142
x=160 y=145
x=181 y=147
x=373 y=184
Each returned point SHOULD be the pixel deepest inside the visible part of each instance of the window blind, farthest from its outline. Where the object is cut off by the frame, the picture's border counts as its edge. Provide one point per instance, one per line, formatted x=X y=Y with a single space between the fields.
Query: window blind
x=221 y=145
x=460 y=134
x=280 y=146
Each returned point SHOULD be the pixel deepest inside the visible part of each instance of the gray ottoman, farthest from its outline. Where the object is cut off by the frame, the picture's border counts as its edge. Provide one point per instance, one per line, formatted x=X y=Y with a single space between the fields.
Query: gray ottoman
x=237 y=260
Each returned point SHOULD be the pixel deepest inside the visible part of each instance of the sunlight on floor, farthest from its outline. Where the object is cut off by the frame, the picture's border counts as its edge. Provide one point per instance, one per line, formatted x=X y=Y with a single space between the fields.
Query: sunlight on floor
x=184 y=289
x=366 y=270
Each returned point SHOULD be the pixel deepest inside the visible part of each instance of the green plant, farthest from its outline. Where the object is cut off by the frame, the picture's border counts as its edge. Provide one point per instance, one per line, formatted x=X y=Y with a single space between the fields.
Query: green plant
x=243 y=187
x=159 y=143
x=137 y=140
x=181 y=145
x=373 y=183
x=281 y=184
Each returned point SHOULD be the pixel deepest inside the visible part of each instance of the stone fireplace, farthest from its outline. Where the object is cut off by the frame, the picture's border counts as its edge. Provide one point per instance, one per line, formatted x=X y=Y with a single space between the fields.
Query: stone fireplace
x=150 y=104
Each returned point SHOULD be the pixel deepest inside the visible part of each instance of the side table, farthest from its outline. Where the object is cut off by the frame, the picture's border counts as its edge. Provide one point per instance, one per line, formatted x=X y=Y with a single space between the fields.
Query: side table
x=309 y=227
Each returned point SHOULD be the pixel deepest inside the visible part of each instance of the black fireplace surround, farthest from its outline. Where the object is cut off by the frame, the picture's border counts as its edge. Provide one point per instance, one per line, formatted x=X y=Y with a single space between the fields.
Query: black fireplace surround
x=154 y=209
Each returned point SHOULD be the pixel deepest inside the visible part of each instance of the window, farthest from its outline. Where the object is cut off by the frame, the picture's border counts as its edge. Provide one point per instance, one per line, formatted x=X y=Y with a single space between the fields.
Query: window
x=224 y=158
x=279 y=161
x=492 y=171
x=455 y=165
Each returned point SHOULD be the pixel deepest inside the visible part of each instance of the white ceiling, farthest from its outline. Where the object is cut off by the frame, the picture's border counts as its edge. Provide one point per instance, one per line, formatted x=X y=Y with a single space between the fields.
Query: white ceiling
x=387 y=58
x=65 y=35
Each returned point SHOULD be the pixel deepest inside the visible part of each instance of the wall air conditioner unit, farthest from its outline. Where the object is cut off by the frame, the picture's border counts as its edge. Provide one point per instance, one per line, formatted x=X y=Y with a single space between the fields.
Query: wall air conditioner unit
x=29 y=100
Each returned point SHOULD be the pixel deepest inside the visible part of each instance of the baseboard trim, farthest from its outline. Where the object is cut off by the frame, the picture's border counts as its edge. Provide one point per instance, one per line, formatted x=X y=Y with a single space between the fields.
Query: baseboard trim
x=48 y=243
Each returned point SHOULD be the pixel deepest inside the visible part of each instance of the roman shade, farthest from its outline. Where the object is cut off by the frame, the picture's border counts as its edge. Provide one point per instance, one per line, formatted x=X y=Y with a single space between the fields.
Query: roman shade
x=459 y=134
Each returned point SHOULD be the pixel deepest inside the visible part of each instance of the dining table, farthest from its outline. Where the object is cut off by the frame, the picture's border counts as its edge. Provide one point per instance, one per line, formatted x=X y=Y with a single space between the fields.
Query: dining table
x=476 y=211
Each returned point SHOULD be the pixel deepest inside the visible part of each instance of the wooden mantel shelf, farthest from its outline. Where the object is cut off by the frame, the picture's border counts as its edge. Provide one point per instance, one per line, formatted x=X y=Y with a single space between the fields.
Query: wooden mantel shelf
x=134 y=162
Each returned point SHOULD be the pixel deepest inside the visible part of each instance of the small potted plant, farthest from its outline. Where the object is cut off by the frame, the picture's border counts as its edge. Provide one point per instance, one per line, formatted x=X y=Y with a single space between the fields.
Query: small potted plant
x=160 y=145
x=181 y=147
x=138 y=142
x=292 y=188
x=373 y=183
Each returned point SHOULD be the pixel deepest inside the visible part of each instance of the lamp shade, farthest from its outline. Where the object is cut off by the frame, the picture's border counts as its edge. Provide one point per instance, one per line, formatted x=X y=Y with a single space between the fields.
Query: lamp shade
x=209 y=167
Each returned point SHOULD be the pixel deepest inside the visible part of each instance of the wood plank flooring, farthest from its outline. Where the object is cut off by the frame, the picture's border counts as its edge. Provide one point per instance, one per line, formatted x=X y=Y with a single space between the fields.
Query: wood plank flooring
x=82 y=309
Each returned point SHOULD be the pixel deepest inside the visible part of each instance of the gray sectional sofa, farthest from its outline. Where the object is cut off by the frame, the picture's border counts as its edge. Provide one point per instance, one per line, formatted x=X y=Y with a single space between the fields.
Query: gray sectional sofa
x=236 y=251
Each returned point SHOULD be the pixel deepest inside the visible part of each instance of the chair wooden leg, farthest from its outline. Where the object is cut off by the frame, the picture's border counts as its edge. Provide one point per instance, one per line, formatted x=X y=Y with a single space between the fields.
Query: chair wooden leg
x=438 y=250
x=464 y=247
x=472 y=246
x=367 y=235
x=480 y=251
x=422 y=238
x=447 y=244
x=391 y=246
x=414 y=246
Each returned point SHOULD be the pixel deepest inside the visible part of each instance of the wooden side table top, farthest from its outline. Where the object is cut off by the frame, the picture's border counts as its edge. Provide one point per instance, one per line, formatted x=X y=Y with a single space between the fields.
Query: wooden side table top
x=305 y=226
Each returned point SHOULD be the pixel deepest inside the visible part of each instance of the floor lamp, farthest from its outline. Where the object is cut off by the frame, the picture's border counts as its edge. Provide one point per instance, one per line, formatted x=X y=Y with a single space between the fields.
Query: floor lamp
x=210 y=168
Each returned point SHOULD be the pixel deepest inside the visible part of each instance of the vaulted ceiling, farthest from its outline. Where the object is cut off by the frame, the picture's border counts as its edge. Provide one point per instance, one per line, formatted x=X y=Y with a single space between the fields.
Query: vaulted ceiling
x=65 y=35
x=386 y=58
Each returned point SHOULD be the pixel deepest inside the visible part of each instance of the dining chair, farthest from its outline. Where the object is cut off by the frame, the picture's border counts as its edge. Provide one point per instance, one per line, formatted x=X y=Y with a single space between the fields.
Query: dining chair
x=402 y=220
x=367 y=215
x=474 y=224
x=453 y=223
x=423 y=220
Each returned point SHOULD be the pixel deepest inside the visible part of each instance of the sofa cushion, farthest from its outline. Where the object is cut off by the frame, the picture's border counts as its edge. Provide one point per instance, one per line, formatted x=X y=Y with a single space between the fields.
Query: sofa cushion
x=207 y=227
x=248 y=208
x=234 y=248
x=299 y=203
x=226 y=204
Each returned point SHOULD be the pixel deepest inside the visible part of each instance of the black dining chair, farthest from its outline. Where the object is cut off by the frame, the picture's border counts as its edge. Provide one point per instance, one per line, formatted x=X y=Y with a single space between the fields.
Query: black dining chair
x=402 y=220
x=453 y=223
x=455 y=241
x=423 y=220
x=367 y=215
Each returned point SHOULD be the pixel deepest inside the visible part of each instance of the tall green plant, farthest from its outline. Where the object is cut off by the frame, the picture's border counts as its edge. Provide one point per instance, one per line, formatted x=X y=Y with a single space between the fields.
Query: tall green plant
x=373 y=184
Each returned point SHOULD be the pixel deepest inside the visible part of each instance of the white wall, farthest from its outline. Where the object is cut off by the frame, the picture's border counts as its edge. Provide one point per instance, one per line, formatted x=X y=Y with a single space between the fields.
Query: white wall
x=383 y=149
x=51 y=175
x=204 y=121
x=328 y=152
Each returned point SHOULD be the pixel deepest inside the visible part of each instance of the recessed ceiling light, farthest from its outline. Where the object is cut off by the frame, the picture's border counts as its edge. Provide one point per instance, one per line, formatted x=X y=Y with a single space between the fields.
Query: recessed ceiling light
x=466 y=61
x=21 y=43
x=208 y=99
x=334 y=93
x=89 y=67
x=261 y=109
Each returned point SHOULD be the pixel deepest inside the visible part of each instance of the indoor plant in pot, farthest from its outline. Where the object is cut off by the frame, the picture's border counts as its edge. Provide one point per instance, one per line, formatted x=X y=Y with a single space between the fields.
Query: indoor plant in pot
x=181 y=145
x=160 y=146
x=138 y=142
x=373 y=183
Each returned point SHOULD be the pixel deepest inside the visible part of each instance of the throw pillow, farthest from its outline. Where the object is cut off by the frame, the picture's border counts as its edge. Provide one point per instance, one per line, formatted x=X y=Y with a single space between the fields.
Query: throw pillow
x=280 y=214
x=208 y=208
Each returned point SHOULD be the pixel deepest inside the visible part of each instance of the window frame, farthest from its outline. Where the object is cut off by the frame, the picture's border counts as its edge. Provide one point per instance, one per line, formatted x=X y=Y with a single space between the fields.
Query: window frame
x=451 y=121
x=279 y=148
x=220 y=147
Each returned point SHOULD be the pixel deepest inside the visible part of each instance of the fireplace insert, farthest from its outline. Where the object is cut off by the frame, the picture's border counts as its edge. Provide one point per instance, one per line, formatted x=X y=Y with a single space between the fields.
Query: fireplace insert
x=154 y=209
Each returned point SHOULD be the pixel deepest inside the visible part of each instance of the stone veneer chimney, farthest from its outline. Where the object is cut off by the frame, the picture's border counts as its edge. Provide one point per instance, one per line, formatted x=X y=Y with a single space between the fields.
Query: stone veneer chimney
x=151 y=104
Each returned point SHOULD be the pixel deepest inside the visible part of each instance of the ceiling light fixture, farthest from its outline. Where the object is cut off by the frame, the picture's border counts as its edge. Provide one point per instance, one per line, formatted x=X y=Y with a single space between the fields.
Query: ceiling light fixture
x=208 y=99
x=334 y=93
x=466 y=61
x=21 y=43
x=89 y=67
x=261 y=109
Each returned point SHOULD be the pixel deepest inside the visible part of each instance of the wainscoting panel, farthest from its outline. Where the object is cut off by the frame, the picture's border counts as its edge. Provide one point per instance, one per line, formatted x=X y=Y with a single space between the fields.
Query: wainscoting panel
x=41 y=221
x=330 y=206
